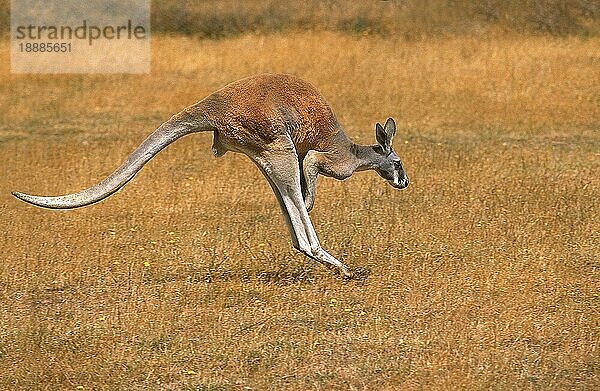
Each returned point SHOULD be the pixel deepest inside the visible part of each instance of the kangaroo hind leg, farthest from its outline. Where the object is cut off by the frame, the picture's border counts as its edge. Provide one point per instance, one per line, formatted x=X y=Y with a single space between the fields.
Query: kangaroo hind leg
x=283 y=170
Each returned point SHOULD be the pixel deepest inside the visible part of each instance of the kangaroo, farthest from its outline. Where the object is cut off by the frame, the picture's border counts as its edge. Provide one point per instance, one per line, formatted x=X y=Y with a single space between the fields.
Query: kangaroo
x=286 y=128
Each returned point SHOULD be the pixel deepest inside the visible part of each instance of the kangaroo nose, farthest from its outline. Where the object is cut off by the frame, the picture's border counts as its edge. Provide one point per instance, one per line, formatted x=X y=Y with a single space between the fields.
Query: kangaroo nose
x=404 y=182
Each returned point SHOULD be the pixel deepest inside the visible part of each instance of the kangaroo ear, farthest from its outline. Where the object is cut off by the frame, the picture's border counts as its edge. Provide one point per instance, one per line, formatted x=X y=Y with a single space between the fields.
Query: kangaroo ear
x=385 y=134
x=390 y=129
x=380 y=135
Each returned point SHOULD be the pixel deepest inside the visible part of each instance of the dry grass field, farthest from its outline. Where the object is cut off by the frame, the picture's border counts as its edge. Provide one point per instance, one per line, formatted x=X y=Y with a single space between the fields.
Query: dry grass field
x=483 y=274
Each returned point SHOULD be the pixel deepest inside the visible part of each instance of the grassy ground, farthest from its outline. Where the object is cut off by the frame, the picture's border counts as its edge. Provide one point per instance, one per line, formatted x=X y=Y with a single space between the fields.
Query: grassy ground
x=408 y=18
x=483 y=274
x=411 y=19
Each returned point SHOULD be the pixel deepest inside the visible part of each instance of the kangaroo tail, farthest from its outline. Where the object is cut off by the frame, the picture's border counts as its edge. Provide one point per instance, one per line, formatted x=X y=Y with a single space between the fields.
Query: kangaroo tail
x=178 y=126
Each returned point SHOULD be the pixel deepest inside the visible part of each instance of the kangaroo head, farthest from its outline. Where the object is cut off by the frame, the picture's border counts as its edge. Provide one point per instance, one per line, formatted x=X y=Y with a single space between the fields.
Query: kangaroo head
x=389 y=165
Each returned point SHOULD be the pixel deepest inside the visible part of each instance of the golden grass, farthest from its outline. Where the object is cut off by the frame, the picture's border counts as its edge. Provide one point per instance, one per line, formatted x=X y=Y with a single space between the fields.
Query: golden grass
x=411 y=19
x=408 y=18
x=483 y=274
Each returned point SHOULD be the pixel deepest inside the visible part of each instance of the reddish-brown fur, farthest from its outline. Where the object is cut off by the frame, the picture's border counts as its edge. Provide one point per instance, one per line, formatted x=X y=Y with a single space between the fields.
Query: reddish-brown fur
x=254 y=111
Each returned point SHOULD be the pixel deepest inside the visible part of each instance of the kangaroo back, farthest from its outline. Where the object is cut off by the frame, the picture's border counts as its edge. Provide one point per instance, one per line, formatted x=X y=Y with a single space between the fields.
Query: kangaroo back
x=258 y=109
